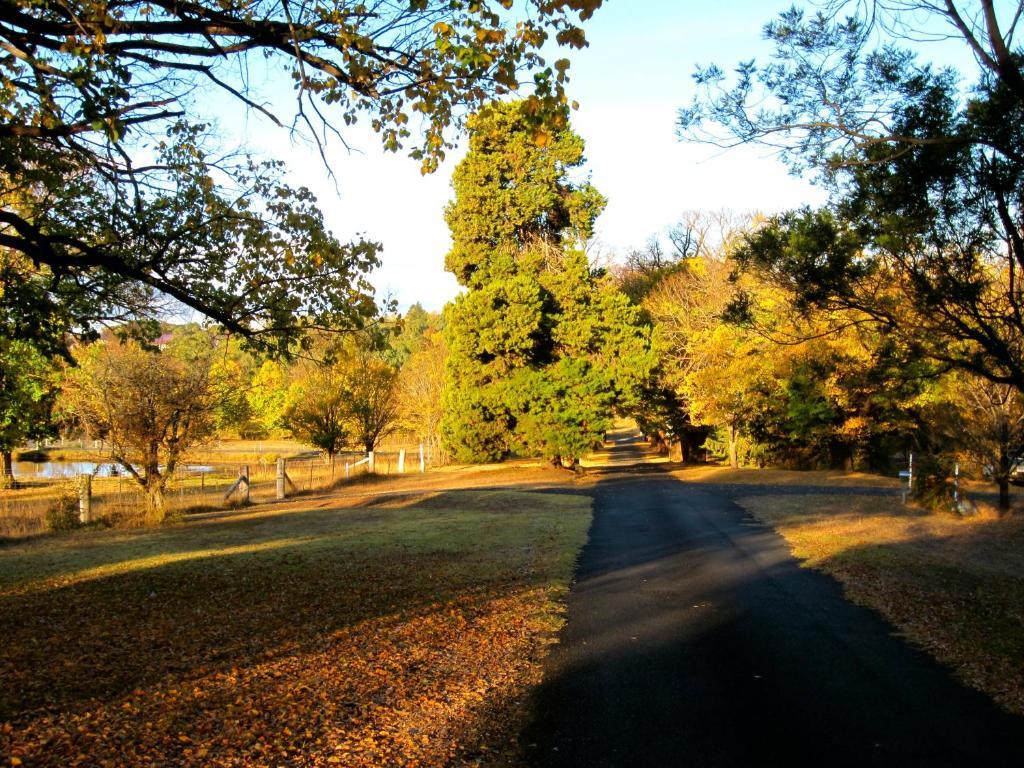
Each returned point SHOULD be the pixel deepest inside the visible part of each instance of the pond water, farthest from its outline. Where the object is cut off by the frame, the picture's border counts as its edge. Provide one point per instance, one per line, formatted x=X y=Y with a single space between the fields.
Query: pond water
x=54 y=470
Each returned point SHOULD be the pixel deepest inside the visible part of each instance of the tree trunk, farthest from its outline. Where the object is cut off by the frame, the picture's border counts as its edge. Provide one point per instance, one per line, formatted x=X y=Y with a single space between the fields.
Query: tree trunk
x=678 y=451
x=7 y=479
x=153 y=483
x=1003 y=476
x=734 y=461
x=156 y=511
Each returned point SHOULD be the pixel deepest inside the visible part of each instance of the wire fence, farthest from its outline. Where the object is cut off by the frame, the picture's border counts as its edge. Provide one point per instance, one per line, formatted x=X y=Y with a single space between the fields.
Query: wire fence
x=38 y=504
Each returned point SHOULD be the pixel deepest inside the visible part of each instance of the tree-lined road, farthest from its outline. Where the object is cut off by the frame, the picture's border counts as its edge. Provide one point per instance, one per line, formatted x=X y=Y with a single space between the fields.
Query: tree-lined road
x=694 y=638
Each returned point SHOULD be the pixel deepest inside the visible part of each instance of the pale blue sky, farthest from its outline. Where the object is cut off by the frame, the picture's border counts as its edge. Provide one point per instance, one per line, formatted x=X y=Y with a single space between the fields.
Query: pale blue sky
x=629 y=83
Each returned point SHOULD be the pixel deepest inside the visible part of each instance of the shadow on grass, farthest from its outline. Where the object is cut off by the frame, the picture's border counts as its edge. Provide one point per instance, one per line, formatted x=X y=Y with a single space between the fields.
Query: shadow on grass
x=145 y=608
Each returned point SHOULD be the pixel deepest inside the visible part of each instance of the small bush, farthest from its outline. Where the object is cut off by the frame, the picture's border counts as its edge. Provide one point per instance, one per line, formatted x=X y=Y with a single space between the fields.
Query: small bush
x=62 y=514
x=933 y=485
x=37 y=455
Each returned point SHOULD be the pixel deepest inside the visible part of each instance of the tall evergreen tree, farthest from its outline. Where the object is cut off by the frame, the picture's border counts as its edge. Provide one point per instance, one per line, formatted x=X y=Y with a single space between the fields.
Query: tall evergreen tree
x=541 y=348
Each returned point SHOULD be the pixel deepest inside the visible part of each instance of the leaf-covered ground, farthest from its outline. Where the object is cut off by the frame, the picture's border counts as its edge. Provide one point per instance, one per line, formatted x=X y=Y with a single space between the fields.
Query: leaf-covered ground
x=954 y=586
x=395 y=631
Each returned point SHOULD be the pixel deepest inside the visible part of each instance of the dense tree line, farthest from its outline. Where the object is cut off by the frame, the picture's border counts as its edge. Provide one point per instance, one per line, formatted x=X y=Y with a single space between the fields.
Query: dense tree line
x=153 y=404
x=918 y=253
x=780 y=385
x=887 y=320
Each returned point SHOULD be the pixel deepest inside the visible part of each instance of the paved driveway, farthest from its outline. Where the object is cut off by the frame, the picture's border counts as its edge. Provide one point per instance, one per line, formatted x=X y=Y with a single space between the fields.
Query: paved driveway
x=694 y=639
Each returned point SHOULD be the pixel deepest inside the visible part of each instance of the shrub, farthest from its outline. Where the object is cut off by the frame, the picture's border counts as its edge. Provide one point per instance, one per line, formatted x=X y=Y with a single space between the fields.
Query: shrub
x=62 y=514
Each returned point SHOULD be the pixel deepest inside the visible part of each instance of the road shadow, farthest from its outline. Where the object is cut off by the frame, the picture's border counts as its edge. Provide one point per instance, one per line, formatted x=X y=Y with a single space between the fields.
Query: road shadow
x=694 y=638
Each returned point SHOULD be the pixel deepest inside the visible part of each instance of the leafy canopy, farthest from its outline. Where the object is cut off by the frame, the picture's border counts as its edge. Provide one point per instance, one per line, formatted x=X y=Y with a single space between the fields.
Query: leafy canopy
x=26 y=383
x=113 y=193
x=923 y=230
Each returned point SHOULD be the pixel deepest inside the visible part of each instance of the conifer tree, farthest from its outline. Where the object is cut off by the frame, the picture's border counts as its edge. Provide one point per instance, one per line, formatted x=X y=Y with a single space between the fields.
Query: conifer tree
x=541 y=348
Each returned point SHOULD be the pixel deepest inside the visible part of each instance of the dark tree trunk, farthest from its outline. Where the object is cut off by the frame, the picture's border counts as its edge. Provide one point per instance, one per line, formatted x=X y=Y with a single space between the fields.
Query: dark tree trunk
x=1003 y=476
x=7 y=479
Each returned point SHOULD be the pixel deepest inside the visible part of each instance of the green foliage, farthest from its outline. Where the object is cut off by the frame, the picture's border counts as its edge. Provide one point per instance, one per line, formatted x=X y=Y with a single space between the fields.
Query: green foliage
x=316 y=411
x=562 y=410
x=62 y=513
x=540 y=348
x=35 y=308
x=513 y=188
x=371 y=388
x=790 y=387
x=25 y=387
x=351 y=400
x=230 y=379
x=416 y=328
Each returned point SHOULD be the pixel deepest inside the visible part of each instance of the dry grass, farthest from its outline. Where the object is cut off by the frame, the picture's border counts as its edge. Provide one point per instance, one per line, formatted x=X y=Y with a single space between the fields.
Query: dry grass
x=377 y=631
x=954 y=586
x=710 y=473
x=121 y=502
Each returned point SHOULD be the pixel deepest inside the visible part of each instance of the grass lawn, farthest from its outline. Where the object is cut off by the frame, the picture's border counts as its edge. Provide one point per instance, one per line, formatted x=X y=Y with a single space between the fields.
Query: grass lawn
x=392 y=630
x=954 y=586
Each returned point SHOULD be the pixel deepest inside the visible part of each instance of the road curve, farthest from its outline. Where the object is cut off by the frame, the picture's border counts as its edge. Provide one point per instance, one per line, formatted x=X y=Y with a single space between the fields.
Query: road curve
x=694 y=639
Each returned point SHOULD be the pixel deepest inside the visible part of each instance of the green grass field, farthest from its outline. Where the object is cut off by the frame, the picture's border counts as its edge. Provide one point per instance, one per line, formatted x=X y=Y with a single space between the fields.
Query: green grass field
x=396 y=629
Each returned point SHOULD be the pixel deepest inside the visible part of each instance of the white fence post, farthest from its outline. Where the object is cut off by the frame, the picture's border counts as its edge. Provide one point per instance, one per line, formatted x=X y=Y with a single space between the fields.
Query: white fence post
x=401 y=461
x=423 y=465
x=85 y=498
x=372 y=465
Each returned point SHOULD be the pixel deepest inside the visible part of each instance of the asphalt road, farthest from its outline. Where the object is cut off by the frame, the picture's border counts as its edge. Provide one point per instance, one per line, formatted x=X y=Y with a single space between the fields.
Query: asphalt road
x=694 y=639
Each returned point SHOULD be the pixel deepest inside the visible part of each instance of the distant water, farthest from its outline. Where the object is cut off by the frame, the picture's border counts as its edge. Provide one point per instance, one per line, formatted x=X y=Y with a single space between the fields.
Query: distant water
x=54 y=470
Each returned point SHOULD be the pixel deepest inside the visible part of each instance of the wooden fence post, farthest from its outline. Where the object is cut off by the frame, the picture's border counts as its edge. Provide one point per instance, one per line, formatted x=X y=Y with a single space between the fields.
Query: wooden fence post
x=248 y=484
x=280 y=479
x=401 y=461
x=85 y=498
